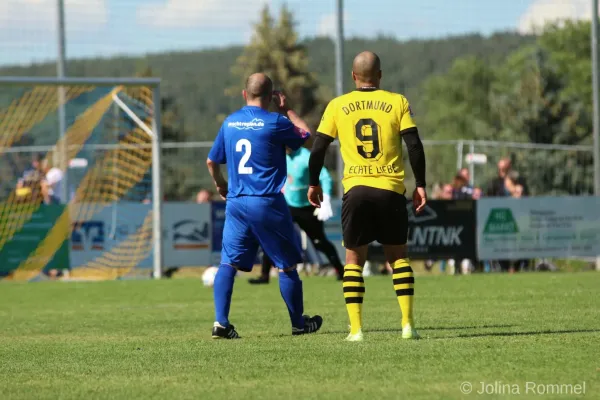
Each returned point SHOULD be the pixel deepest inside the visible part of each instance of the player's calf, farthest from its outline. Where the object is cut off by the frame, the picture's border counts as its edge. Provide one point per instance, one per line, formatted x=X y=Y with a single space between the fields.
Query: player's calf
x=354 y=293
x=290 y=286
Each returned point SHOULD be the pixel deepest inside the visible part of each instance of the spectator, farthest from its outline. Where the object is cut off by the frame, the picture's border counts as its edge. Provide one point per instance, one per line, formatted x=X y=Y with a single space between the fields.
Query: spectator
x=447 y=192
x=498 y=187
x=466 y=175
x=508 y=183
x=512 y=185
x=204 y=196
x=29 y=186
x=52 y=185
x=460 y=188
x=36 y=165
x=450 y=192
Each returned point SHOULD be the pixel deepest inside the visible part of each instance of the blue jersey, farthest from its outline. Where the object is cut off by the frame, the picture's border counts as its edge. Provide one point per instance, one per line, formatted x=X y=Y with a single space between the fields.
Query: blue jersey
x=252 y=143
x=296 y=185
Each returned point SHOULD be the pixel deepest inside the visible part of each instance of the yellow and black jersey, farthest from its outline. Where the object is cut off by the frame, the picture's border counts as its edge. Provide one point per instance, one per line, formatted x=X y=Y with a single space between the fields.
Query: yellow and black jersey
x=368 y=123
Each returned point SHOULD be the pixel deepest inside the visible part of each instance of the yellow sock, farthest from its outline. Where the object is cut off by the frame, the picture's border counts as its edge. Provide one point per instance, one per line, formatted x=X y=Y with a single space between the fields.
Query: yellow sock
x=404 y=283
x=354 y=291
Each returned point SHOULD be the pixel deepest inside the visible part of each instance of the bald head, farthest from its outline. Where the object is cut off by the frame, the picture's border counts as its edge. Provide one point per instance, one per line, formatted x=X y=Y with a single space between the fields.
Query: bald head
x=259 y=87
x=366 y=67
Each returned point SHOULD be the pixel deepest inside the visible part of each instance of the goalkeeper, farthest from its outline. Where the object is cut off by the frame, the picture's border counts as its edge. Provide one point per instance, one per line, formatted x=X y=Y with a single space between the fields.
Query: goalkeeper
x=308 y=218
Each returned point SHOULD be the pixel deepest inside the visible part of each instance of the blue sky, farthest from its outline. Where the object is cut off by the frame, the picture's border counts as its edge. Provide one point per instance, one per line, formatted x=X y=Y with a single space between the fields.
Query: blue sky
x=109 y=27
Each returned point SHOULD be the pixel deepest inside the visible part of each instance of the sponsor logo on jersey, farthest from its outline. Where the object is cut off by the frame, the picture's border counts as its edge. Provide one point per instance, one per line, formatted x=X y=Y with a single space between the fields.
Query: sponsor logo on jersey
x=254 y=125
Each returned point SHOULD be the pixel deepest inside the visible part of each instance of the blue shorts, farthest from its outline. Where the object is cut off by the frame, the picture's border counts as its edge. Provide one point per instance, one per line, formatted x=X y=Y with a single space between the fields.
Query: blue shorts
x=251 y=222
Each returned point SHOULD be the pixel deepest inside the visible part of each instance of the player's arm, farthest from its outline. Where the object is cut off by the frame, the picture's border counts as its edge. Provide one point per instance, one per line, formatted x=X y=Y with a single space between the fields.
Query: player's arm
x=293 y=131
x=325 y=211
x=214 y=169
x=281 y=102
x=326 y=133
x=326 y=182
x=216 y=157
x=416 y=154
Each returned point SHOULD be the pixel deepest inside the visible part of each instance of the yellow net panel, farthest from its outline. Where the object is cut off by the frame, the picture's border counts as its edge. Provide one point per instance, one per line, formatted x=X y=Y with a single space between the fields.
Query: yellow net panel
x=30 y=109
x=21 y=204
x=110 y=177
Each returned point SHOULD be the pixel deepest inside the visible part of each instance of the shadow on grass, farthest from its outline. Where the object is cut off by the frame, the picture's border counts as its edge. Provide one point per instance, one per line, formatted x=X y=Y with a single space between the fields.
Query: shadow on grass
x=425 y=328
x=469 y=335
x=531 y=333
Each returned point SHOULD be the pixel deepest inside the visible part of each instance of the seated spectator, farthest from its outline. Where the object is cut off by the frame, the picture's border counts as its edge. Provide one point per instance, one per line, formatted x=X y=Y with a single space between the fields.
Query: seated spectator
x=29 y=186
x=447 y=192
x=460 y=188
x=465 y=173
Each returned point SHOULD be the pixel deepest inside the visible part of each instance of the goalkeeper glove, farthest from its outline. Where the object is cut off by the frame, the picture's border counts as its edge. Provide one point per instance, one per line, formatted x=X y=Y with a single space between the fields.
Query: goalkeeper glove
x=325 y=212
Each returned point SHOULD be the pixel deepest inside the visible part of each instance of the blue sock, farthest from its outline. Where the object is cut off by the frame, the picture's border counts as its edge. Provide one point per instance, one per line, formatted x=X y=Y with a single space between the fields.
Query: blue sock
x=222 y=292
x=290 y=286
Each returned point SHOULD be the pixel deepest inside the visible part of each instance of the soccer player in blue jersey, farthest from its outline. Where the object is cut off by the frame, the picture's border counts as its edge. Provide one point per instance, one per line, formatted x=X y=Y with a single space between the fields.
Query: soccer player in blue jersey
x=308 y=218
x=252 y=142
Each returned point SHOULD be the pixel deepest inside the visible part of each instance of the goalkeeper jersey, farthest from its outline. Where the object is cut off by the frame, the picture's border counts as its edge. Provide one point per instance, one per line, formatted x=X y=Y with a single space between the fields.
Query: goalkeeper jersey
x=296 y=186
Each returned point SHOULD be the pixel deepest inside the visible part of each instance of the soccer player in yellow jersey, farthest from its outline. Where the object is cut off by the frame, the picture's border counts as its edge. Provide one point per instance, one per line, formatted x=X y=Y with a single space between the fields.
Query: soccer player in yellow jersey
x=369 y=123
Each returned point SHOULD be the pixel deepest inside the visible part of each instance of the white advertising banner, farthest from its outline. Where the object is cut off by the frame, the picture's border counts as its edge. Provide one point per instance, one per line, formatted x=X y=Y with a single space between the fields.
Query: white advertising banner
x=186 y=233
x=534 y=227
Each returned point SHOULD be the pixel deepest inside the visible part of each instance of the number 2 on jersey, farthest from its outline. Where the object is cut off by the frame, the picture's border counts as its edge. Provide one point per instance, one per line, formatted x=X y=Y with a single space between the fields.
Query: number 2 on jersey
x=374 y=138
x=245 y=146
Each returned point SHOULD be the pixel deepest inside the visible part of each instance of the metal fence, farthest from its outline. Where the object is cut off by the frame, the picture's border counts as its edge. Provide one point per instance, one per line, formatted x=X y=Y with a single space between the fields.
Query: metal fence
x=548 y=169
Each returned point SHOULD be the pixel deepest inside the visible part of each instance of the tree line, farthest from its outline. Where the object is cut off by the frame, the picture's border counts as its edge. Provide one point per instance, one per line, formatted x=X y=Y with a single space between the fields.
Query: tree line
x=541 y=93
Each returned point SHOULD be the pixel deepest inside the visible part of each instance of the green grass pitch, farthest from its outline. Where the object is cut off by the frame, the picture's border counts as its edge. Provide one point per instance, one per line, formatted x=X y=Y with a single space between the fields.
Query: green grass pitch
x=151 y=340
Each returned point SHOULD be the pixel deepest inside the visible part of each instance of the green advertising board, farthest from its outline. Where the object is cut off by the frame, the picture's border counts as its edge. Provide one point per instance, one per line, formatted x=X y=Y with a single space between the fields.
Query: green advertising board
x=27 y=239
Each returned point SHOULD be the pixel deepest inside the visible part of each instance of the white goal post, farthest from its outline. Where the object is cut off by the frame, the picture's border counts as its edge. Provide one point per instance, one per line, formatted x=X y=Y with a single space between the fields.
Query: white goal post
x=154 y=132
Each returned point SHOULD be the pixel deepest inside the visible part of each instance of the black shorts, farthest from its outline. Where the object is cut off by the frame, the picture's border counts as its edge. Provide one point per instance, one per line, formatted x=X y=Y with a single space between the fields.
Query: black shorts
x=370 y=214
x=307 y=221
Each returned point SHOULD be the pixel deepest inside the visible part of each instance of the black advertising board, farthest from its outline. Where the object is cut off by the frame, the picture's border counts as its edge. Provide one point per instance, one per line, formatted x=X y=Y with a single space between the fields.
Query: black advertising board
x=444 y=229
